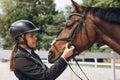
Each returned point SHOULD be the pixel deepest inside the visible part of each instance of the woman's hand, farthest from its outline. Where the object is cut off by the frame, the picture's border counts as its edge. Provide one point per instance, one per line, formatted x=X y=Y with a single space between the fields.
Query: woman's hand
x=68 y=51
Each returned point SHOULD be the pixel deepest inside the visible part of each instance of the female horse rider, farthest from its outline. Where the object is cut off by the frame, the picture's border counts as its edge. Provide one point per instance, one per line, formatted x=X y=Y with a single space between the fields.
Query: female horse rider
x=25 y=63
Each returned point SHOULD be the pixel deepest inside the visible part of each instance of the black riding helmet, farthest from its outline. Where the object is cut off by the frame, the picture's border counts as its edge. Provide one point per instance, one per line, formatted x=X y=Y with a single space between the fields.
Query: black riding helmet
x=21 y=27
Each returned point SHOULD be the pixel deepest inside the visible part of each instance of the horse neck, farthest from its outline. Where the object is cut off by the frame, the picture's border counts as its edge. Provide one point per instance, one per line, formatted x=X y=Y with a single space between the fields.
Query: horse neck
x=108 y=33
x=107 y=28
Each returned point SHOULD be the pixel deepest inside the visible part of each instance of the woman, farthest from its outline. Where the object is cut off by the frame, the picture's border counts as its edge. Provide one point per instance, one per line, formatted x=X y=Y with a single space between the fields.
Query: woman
x=25 y=63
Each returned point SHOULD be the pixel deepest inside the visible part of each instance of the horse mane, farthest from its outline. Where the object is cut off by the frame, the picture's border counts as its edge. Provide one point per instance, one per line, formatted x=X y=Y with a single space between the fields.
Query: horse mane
x=111 y=15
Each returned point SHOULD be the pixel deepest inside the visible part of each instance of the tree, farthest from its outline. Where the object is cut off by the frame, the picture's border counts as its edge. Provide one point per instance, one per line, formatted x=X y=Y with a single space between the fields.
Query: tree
x=101 y=3
x=41 y=12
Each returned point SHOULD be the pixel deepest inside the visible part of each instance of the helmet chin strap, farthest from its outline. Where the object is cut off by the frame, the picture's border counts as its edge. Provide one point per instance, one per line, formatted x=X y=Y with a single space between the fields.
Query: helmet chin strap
x=25 y=42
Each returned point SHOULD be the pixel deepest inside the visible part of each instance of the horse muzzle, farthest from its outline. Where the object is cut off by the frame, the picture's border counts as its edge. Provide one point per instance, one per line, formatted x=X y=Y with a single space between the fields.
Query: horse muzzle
x=52 y=58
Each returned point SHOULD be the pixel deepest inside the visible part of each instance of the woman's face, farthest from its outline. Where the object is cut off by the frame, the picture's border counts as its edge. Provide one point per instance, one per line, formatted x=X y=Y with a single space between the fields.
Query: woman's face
x=31 y=39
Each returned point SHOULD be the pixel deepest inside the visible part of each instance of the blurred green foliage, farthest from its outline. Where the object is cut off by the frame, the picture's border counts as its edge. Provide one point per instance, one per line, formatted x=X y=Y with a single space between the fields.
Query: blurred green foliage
x=41 y=12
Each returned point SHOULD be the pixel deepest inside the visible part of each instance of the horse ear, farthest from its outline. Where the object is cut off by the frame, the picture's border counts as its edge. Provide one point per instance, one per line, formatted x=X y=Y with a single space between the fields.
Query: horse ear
x=77 y=7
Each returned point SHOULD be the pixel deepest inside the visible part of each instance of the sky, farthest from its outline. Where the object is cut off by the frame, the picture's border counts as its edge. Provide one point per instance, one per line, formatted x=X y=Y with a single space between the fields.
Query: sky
x=61 y=4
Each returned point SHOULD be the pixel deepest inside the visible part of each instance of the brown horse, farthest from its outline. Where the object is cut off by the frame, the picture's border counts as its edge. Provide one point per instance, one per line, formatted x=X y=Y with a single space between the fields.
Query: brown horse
x=86 y=26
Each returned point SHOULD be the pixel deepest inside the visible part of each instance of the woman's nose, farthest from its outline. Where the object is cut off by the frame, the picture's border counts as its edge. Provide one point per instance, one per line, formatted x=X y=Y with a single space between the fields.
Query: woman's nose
x=35 y=38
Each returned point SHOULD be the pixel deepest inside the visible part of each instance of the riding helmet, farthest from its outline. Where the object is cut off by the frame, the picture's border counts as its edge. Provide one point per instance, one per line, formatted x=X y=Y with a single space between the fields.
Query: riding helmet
x=21 y=27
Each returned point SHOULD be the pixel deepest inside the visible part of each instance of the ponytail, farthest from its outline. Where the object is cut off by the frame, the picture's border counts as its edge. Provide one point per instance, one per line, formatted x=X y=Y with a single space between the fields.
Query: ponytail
x=14 y=51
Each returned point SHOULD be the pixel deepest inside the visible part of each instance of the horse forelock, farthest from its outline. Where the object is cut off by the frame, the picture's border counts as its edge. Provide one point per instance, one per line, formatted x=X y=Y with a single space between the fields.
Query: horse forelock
x=111 y=15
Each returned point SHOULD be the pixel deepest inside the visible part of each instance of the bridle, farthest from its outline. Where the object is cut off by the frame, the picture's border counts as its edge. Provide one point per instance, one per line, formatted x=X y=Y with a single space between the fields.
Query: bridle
x=72 y=37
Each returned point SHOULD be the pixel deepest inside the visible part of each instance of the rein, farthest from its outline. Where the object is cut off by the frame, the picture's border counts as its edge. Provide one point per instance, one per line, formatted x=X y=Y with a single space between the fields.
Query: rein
x=71 y=38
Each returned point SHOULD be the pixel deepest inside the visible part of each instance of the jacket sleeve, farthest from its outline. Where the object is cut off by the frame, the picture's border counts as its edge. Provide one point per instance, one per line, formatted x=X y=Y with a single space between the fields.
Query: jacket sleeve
x=54 y=71
x=35 y=71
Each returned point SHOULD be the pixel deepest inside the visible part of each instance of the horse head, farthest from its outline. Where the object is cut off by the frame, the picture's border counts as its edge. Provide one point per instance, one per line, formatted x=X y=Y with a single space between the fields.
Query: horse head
x=77 y=31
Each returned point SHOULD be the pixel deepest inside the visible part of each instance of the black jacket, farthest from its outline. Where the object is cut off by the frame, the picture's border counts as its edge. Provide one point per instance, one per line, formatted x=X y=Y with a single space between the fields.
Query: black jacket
x=30 y=67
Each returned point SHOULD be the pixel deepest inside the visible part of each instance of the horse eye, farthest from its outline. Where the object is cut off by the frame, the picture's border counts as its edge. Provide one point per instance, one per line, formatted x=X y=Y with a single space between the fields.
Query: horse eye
x=69 y=23
x=77 y=19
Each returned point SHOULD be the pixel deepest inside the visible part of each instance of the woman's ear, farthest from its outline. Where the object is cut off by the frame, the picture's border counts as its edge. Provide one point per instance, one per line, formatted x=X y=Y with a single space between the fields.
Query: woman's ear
x=20 y=39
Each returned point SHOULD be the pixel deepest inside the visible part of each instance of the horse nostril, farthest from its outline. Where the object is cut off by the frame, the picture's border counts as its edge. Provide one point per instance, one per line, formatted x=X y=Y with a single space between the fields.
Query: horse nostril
x=51 y=55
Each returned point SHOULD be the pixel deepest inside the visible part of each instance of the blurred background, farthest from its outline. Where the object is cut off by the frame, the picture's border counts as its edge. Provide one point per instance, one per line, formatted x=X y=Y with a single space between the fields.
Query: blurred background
x=50 y=16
